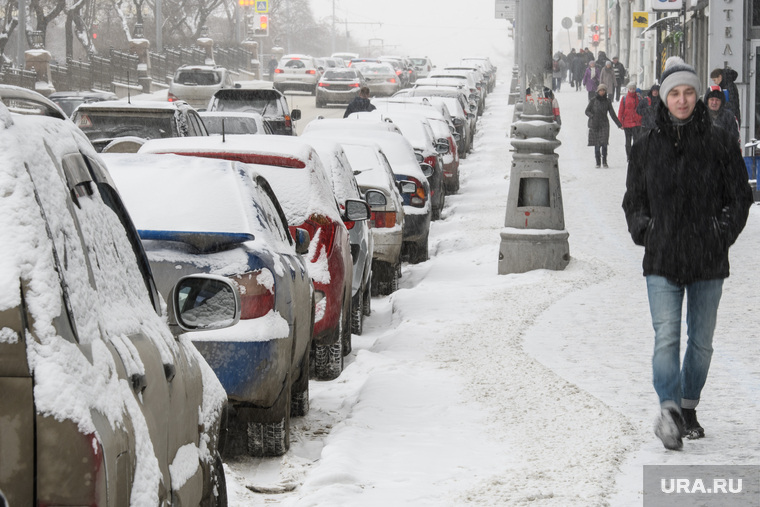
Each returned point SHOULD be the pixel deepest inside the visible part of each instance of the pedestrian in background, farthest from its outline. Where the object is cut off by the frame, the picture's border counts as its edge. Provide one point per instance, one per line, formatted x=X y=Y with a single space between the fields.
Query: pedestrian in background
x=557 y=72
x=360 y=103
x=725 y=78
x=620 y=76
x=686 y=201
x=597 y=111
x=628 y=116
x=271 y=67
x=577 y=69
x=607 y=78
x=591 y=79
x=648 y=106
x=720 y=115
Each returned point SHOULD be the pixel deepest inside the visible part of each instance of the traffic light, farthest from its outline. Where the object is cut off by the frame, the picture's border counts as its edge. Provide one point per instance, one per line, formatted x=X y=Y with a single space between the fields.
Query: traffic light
x=261 y=25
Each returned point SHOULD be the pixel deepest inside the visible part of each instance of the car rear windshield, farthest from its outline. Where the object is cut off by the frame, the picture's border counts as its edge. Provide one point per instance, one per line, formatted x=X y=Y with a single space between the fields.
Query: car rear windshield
x=340 y=75
x=378 y=69
x=264 y=102
x=99 y=125
x=198 y=78
x=419 y=61
x=232 y=125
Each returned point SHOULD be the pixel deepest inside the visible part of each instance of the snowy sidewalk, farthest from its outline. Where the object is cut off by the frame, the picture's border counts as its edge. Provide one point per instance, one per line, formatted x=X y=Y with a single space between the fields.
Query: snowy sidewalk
x=531 y=389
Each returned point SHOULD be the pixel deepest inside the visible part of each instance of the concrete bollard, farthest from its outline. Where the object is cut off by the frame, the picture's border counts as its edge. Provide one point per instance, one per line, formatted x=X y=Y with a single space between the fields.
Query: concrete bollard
x=534 y=235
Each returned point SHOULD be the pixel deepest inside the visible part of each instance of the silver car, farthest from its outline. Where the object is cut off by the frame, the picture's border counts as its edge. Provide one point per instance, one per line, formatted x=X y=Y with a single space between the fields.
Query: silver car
x=297 y=72
x=196 y=84
x=381 y=78
x=100 y=400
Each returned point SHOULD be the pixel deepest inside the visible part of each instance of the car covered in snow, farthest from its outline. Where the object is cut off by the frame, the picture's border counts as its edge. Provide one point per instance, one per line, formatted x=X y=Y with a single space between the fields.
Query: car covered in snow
x=341 y=176
x=297 y=176
x=102 y=402
x=111 y=123
x=196 y=84
x=265 y=100
x=218 y=217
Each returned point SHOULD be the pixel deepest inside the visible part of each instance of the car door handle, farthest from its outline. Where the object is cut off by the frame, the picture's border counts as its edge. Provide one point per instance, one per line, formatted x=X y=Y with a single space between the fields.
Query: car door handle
x=169 y=371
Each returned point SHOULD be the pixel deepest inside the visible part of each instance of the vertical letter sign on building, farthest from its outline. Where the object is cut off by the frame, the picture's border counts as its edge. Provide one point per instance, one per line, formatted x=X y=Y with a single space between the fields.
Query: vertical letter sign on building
x=726 y=27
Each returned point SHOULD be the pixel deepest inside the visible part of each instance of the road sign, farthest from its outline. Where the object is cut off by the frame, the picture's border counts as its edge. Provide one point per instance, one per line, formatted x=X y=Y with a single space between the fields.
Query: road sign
x=640 y=19
x=262 y=6
x=505 y=9
x=567 y=23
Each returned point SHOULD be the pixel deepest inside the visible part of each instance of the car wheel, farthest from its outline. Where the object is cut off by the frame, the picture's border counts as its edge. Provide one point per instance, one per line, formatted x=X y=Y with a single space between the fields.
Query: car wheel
x=357 y=316
x=396 y=278
x=219 y=483
x=367 y=307
x=299 y=393
x=319 y=104
x=328 y=361
x=314 y=91
x=384 y=274
x=269 y=439
x=418 y=252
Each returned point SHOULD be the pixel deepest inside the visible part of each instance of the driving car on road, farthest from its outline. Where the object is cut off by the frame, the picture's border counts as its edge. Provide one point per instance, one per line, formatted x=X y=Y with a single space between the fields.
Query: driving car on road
x=297 y=72
x=339 y=86
x=196 y=84
x=298 y=179
x=222 y=219
x=266 y=101
x=422 y=65
x=101 y=401
x=68 y=101
x=381 y=78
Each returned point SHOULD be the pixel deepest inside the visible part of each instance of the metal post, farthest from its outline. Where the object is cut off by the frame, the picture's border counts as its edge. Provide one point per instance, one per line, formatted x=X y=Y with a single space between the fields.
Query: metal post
x=159 y=15
x=21 y=33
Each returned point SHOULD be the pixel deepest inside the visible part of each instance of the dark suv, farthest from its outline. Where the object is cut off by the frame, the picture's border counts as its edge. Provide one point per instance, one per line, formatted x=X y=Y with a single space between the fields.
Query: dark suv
x=100 y=400
x=112 y=125
x=268 y=102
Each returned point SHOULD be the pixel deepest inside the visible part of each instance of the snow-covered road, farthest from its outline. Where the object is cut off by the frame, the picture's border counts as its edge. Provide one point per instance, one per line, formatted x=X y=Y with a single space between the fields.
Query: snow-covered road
x=534 y=389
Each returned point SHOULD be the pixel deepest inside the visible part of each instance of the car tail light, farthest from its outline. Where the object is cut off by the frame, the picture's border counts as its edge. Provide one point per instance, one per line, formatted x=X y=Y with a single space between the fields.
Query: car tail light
x=322 y=226
x=383 y=219
x=278 y=71
x=392 y=80
x=432 y=161
x=323 y=85
x=171 y=97
x=418 y=197
x=311 y=71
x=256 y=293
x=354 y=85
x=288 y=122
x=398 y=72
x=349 y=224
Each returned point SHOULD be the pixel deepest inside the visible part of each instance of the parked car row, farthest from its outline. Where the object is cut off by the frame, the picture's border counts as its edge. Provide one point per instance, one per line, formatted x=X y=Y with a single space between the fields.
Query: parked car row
x=260 y=249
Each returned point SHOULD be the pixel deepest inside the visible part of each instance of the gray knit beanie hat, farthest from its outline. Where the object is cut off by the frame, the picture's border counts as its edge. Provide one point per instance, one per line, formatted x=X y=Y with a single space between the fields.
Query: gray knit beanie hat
x=676 y=73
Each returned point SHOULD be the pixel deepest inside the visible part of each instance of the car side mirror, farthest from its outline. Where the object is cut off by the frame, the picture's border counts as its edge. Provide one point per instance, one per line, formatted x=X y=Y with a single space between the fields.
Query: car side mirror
x=303 y=240
x=473 y=108
x=442 y=146
x=407 y=187
x=375 y=198
x=204 y=302
x=295 y=114
x=357 y=210
x=427 y=170
x=457 y=137
x=458 y=122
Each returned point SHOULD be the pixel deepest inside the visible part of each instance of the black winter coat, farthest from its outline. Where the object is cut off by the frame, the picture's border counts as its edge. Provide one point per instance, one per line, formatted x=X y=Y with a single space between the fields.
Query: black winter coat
x=687 y=198
x=598 y=125
x=647 y=108
x=358 y=105
x=727 y=83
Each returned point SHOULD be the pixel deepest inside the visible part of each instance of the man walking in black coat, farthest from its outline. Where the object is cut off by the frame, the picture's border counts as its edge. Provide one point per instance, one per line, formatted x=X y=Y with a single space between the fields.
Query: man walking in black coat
x=686 y=201
x=360 y=103
x=620 y=73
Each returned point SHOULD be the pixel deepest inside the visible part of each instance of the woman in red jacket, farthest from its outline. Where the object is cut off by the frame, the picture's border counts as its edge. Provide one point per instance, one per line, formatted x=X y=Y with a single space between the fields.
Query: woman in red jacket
x=628 y=116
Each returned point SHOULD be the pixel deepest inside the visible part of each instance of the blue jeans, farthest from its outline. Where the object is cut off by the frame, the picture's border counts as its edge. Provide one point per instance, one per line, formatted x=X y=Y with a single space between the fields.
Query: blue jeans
x=682 y=385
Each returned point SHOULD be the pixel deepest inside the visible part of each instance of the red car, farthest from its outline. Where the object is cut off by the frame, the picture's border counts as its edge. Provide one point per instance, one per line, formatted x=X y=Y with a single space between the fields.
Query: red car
x=295 y=173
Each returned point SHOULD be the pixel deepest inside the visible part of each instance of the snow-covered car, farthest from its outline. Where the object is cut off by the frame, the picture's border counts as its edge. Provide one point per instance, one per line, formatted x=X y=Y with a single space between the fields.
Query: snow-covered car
x=405 y=165
x=339 y=86
x=297 y=176
x=232 y=123
x=102 y=402
x=467 y=79
x=381 y=190
x=443 y=127
x=122 y=125
x=416 y=128
x=196 y=84
x=266 y=101
x=297 y=72
x=341 y=176
x=489 y=69
x=222 y=219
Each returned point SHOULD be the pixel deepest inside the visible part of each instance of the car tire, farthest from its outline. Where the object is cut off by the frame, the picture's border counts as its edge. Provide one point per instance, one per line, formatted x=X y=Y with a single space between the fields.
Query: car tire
x=319 y=104
x=418 y=252
x=384 y=275
x=299 y=393
x=357 y=316
x=269 y=439
x=328 y=360
x=367 y=307
x=219 y=483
